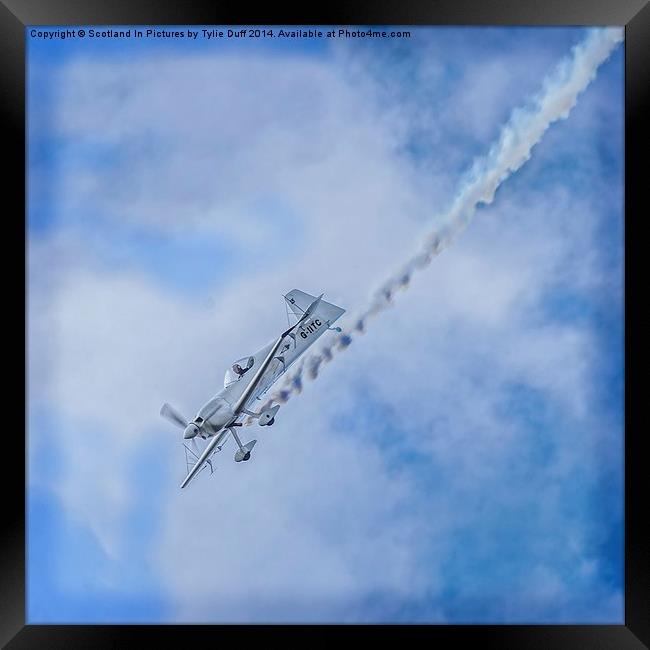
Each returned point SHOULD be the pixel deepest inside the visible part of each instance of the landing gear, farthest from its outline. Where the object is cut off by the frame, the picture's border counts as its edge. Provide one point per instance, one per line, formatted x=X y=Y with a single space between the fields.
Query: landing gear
x=267 y=416
x=244 y=452
x=242 y=455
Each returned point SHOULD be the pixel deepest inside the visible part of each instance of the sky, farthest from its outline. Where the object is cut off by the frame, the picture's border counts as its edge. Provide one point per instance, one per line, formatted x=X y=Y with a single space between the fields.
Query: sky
x=461 y=462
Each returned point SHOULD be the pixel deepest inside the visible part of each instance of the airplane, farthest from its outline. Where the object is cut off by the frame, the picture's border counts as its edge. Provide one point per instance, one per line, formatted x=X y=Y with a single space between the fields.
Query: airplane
x=249 y=378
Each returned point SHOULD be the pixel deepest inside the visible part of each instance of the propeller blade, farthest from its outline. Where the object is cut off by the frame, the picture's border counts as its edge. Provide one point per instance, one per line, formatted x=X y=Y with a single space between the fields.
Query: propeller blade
x=171 y=414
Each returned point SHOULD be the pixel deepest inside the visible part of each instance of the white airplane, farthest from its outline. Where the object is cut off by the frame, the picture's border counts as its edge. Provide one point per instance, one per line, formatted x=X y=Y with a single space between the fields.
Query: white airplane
x=248 y=379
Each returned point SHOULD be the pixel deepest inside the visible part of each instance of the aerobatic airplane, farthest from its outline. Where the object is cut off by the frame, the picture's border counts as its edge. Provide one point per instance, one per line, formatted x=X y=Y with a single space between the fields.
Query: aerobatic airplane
x=247 y=380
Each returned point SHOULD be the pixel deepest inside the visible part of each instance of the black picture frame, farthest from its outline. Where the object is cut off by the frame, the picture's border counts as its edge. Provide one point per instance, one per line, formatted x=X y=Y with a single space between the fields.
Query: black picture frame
x=633 y=14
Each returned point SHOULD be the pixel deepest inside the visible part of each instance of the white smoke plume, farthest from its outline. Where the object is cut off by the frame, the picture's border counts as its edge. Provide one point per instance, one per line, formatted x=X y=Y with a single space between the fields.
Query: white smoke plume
x=520 y=134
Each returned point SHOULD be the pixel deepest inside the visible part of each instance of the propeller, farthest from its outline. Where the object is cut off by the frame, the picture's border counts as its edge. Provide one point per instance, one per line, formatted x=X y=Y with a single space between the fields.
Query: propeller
x=171 y=414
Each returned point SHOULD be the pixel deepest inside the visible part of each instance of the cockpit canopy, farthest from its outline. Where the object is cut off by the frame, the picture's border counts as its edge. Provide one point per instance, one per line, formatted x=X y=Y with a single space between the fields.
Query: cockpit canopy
x=237 y=370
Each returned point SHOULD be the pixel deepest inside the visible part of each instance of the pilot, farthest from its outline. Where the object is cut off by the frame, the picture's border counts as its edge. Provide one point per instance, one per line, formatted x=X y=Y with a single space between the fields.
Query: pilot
x=238 y=370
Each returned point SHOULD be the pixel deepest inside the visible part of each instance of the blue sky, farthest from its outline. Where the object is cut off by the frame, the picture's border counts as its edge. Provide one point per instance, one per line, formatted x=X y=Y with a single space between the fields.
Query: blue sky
x=462 y=463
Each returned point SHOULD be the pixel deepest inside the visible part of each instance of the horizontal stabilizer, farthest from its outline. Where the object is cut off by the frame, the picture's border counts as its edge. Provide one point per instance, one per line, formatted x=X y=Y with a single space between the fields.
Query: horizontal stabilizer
x=299 y=301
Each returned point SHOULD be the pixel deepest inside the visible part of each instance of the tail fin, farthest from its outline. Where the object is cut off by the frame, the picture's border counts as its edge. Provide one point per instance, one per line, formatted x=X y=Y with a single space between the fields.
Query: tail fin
x=298 y=301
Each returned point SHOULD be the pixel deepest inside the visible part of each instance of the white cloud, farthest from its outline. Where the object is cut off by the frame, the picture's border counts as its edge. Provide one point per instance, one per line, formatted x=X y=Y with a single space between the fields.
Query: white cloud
x=320 y=519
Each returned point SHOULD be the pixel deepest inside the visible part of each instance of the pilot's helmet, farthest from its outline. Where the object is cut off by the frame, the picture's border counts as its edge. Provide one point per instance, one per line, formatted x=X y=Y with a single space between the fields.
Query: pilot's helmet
x=238 y=369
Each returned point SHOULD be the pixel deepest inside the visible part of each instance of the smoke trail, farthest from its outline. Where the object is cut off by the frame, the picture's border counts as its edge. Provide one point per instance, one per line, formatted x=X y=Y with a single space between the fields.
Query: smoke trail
x=521 y=133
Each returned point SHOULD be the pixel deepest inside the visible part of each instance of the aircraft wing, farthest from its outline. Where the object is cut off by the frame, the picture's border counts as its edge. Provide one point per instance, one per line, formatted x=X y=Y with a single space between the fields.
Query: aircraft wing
x=237 y=409
x=203 y=459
